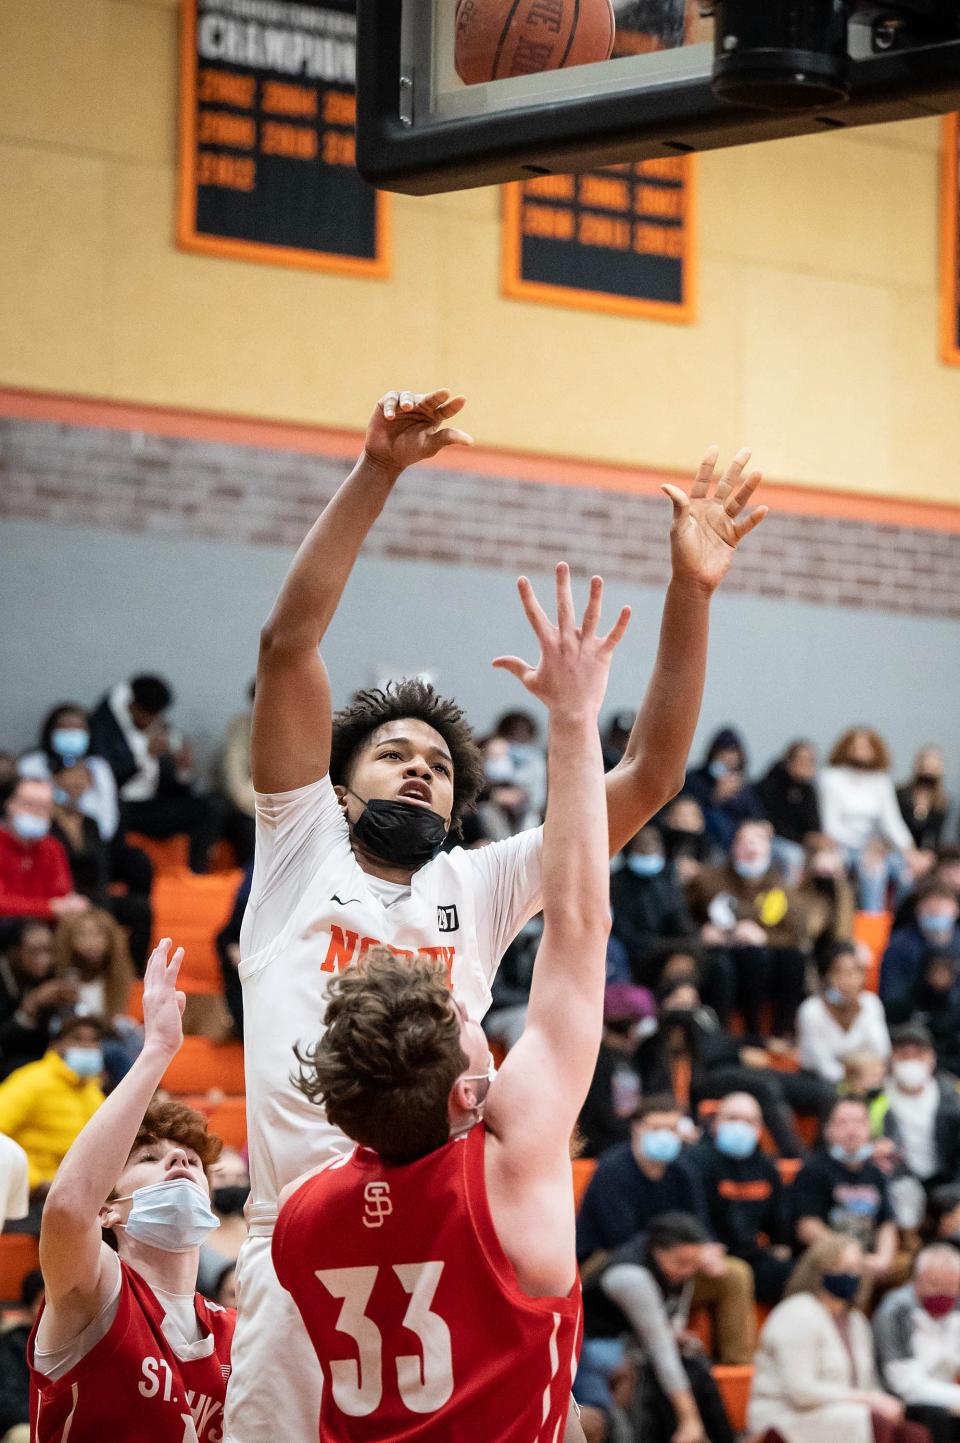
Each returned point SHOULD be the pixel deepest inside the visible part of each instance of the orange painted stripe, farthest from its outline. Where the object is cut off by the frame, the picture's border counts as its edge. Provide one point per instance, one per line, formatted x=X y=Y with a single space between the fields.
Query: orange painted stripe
x=71 y=410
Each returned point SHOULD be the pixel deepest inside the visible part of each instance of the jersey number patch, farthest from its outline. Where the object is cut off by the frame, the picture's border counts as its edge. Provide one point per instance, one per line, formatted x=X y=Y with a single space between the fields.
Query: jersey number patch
x=426 y=1382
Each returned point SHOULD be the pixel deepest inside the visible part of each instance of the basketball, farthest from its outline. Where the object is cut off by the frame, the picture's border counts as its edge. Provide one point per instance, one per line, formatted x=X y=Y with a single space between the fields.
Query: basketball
x=497 y=39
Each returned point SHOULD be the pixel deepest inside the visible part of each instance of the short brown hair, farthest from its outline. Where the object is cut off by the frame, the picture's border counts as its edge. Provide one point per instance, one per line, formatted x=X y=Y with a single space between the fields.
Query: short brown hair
x=391 y=1052
x=175 y=1122
x=840 y=756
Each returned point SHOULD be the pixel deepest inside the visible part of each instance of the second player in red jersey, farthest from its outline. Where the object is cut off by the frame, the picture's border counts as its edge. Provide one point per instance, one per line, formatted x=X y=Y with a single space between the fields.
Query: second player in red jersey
x=434 y=1265
x=125 y=1350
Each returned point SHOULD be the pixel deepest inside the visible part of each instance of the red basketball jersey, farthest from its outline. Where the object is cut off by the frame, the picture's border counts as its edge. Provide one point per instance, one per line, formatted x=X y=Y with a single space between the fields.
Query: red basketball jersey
x=131 y=1387
x=418 y=1321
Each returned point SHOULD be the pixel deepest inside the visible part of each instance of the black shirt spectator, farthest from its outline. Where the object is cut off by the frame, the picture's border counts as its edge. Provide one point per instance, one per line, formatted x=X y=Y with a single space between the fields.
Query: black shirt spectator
x=924 y=801
x=648 y=906
x=629 y=1013
x=30 y=994
x=934 y=1002
x=788 y=795
x=228 y=952
x=848 y=1198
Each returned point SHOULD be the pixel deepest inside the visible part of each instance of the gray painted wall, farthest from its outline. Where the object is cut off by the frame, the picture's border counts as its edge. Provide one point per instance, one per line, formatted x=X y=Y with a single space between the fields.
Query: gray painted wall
x=83 y=608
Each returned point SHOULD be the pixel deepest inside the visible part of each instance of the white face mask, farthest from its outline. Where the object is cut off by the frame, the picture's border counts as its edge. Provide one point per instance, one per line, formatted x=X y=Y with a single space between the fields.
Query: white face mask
x=174 y=1216
x=911 y=1074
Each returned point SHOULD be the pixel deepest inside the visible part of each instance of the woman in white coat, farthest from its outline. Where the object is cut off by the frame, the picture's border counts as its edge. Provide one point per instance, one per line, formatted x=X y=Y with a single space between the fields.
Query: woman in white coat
x=815 y=1377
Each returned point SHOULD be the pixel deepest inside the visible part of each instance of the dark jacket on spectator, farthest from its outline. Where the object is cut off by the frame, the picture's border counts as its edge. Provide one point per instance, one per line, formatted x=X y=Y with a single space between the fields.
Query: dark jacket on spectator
x=791 y=806
x=605 y=1118
x=748 y=896
x=747 y=1201
x=14 y=1377
x=946 y=1133
x=20 y=1042
x=649 y=913
x=902 y=964
x=926 y=830
x=940 y=1014
x=620 y=1200
x=722 y=818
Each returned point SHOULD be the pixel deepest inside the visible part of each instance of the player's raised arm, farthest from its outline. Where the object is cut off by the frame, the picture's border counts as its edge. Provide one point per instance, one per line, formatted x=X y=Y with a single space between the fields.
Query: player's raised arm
x=291 y=714
x=538 y=1093
x=71 y=1247
x=707 y=528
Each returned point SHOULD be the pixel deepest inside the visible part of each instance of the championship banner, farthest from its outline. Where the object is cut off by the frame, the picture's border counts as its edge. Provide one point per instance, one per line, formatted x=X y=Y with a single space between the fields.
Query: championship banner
x=267 y=149
x=618 y=239
x=950 y=241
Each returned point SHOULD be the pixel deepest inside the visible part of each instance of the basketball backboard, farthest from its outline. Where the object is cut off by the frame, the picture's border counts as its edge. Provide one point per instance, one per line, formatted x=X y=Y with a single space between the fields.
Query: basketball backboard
x=422 y=129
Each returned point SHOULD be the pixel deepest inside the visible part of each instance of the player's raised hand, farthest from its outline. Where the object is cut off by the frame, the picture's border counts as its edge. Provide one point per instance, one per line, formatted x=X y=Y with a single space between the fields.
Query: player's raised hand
x=708 y=528
x=574 y=660
x=407 y=427
x=163 y=1003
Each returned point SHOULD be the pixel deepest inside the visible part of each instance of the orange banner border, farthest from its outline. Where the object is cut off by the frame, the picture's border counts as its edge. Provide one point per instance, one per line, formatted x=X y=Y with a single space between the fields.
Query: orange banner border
x=542 y=292
x=188 y=238
x=950 y=243
x=342 y=444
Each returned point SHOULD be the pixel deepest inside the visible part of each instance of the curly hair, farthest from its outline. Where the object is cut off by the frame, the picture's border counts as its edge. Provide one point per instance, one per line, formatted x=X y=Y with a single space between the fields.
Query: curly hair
x=175 y=1122
x=391 y=1052
x=840 y=756
x=353 y=726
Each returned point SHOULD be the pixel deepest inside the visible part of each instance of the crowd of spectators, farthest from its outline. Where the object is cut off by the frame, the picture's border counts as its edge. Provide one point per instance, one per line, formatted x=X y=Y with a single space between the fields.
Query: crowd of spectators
x=743 y=1025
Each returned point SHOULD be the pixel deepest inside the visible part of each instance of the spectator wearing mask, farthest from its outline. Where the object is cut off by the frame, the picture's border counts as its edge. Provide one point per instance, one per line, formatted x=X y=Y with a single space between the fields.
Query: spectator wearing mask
x=629 y=1014
x=843 y=1019
x=749 y=1212
x=840 y=1189
x=935 y=1003
x=230 y=1184
x=64 y=744
x=815 y=1378
x=923 y=800
x=933 y=929
x=14 y=1181
x=637 y=1180
x=859 y=808
x=236 y=783
x=648 y=906
x=35 y=878
x=153 y=766
x=917 y=1334
x=683 y=831
x=923 y=1110
x=503 y=807
x=14 y=1373
x=519 y=730
x=745 y=910
x=645 y=1288
x=44 y=1105
x=31 y=995
x=720 y=786
x=788 y=796
x=89 y=860
x=826 y=895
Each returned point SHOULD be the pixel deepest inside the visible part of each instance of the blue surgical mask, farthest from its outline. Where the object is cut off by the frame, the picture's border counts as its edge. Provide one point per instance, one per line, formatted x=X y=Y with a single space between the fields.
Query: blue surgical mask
x=859 y=1154
x=498 y=770
x=736 y=1139
x=646 y=864
x=718 y=770
x=521 y=752
x=940 y=928
x=71 y=743
x=660 y=1145
x=751 y=869
x=84 y=1061
x=834 y=996
x=61 y=797
x=28 y=827
x=174 y=1216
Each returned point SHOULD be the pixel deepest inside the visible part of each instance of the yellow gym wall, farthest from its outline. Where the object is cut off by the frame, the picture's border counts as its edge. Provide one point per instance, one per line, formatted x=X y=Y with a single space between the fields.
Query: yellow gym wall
x=816 y=339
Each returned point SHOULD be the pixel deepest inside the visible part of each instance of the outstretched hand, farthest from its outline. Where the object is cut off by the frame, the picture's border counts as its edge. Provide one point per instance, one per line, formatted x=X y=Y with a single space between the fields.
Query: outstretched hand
x=407 y=427
x=707 y=529
x=571 y=674
x=163 y=1003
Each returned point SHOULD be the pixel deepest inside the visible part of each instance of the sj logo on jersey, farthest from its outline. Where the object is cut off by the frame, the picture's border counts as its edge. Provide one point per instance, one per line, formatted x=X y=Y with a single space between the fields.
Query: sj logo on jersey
x=447 y=919
x=376 y=1204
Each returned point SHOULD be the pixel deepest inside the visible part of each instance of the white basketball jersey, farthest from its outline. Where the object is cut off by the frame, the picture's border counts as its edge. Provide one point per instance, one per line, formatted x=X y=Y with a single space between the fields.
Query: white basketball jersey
x=312 y=912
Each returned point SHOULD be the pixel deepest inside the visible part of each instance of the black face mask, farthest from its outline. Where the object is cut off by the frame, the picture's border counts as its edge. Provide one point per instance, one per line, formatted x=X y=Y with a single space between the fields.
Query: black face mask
x=399 y=833
x=230 y=1200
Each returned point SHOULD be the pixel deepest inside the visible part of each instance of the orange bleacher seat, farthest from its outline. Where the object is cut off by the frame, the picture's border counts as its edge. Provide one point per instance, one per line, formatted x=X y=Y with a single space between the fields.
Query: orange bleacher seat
x=204 y=1066
x=583 y=1170
x=191 y=910
x=167 y=856
x=19 y=1255
x=788 y=1167
x=733 y=1381
x=135 y=1002
x=226 y=1117
x=873 y=928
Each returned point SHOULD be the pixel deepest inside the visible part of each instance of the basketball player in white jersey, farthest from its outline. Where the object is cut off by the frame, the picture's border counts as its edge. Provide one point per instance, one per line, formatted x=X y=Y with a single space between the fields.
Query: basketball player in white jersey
x=352 y=813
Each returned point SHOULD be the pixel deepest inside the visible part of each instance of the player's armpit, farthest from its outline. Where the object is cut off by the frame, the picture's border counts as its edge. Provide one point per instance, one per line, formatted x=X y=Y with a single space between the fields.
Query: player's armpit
x=79 y=1273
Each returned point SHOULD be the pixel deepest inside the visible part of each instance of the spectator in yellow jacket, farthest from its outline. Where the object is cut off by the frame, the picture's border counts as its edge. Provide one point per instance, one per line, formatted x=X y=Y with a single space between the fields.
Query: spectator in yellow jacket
x=44 y=1105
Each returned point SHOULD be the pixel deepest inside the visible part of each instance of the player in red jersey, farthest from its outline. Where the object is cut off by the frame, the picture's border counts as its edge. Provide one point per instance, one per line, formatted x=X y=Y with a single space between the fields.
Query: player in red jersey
x=125 y=1349
x=434 y=1266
